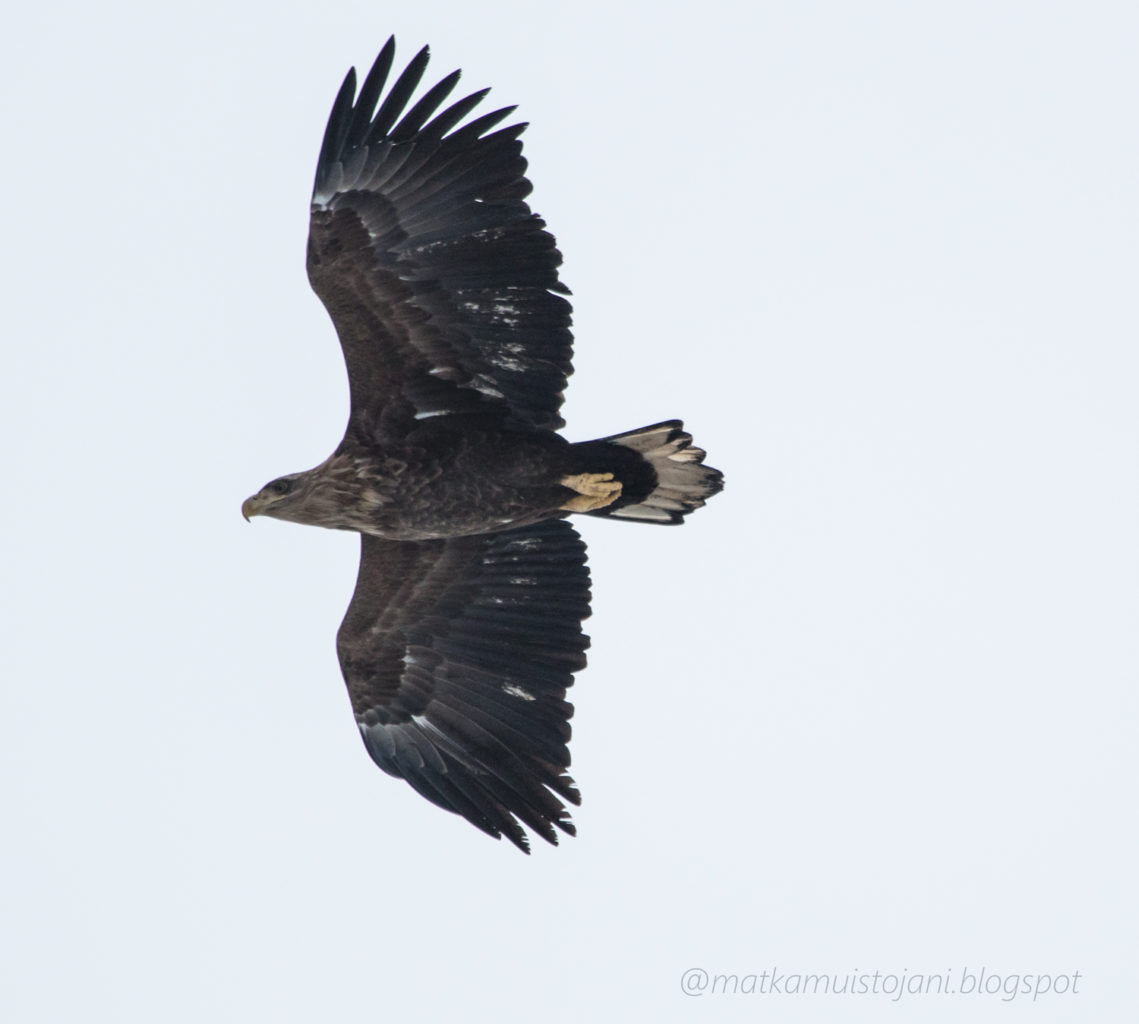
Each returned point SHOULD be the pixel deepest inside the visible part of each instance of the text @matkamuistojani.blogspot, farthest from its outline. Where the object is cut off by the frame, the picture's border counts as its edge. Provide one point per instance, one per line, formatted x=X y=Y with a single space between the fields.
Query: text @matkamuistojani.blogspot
x=976 y=982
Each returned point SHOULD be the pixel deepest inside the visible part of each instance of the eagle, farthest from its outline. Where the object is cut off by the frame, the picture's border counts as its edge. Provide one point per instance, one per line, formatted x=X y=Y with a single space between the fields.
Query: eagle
x=464 y=631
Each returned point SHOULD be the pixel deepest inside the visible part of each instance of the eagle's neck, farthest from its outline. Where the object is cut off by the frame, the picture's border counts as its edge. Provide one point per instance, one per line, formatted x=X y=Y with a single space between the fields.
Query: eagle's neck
x=342 y=493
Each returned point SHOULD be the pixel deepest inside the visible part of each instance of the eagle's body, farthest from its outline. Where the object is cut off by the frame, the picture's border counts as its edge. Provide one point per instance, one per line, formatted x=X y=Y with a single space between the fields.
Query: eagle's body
x=465 y=628
x=446 y=479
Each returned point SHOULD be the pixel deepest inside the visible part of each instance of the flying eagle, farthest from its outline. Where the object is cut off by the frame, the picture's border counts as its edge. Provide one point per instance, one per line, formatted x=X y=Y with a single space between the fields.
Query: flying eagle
x=464 y=630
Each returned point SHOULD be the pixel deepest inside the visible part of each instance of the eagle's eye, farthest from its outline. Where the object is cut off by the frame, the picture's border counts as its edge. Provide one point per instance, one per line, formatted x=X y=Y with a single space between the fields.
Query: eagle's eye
x=281 y=486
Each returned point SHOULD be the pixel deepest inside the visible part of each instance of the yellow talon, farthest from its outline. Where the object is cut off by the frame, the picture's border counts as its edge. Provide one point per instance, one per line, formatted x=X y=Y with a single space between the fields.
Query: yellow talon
x=594 y=491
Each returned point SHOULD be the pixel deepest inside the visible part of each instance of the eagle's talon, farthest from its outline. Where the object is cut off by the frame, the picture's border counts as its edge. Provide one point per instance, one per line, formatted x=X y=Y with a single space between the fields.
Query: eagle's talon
x=594 y=491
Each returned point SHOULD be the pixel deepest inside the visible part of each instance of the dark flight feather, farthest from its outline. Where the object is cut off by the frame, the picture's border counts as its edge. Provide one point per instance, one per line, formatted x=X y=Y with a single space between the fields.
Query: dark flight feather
x=429 y=261
x=458 y=654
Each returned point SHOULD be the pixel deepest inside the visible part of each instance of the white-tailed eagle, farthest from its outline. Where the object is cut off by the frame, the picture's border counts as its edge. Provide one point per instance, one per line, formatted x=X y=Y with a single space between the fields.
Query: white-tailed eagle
x=464 y=631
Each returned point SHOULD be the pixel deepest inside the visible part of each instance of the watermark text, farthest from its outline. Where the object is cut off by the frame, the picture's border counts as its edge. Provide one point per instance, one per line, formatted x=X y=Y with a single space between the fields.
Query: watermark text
x=966 y=981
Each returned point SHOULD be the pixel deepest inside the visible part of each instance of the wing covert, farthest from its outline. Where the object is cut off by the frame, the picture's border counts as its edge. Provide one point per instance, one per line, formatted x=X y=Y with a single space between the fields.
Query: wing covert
x=457 y=655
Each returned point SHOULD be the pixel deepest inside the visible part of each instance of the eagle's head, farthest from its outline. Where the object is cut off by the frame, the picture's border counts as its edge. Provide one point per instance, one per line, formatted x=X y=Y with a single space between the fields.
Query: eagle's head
x=281 y=498
x=324 y=496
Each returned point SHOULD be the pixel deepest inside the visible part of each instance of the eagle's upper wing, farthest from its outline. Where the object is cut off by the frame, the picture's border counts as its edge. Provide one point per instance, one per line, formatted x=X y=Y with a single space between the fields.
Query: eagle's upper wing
x=457 y=654
x=439 y=279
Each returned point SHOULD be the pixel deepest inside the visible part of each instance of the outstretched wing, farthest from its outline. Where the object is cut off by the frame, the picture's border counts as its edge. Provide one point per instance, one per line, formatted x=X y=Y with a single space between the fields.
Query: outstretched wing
x=457 y=654
x=440 y=281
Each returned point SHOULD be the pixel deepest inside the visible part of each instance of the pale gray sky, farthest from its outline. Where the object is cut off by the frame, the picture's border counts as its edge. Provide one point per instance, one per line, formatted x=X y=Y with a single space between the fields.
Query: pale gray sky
x=871 y=710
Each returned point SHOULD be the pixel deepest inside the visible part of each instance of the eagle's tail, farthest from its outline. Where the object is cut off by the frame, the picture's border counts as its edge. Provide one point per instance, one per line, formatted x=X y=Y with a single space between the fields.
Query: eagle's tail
x=660 y=471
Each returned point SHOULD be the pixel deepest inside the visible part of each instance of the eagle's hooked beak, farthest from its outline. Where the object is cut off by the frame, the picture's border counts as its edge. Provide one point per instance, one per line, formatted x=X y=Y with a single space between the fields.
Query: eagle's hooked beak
x=249 y=508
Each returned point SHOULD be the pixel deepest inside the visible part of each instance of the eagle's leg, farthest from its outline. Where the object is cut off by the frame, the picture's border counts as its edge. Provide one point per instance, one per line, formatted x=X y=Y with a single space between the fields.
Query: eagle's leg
x=594 y=491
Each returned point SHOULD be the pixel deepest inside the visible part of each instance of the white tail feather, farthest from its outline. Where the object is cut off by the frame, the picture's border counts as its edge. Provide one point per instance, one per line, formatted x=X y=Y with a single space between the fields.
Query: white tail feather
x=683 y=484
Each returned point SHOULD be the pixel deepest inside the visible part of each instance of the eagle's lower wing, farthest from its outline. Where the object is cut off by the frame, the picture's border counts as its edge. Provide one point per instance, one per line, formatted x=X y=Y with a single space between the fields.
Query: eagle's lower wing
x=439 y=279
x=457 y=654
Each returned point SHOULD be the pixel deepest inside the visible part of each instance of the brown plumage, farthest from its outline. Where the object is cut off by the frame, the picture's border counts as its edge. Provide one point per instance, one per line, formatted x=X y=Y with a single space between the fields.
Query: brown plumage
x=464 y=631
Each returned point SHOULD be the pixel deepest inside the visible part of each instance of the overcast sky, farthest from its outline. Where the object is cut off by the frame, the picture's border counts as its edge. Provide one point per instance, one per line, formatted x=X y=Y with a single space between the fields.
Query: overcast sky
x=872 y=710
